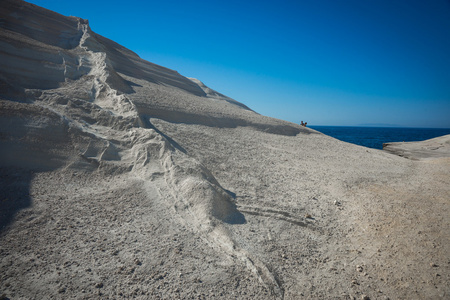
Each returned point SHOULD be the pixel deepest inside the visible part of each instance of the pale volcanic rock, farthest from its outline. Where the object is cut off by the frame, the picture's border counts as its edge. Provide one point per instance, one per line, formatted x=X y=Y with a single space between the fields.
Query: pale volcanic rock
x=120 y=178
x=430 y=149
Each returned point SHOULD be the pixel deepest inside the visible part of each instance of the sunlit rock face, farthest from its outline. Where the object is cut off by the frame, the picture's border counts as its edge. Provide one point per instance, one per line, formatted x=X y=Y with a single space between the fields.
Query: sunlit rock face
x=148 y=184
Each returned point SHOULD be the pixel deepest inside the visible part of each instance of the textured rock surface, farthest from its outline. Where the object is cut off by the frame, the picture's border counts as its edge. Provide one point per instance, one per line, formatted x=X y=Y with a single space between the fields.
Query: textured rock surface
x=120 y=178
x=430 y=149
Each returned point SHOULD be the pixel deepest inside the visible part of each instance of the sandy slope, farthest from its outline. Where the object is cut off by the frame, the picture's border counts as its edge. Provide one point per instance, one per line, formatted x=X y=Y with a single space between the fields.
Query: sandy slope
x=123 y=179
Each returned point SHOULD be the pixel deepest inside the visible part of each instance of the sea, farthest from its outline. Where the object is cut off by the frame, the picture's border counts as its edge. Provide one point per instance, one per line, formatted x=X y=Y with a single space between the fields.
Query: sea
x=374 y=137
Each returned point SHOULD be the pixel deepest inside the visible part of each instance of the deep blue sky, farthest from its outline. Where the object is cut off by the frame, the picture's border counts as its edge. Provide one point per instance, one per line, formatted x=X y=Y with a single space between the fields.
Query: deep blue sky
x=346 y=62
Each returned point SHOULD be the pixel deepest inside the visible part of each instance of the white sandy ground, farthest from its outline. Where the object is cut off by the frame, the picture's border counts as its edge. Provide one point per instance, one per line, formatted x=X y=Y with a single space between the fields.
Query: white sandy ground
x=123 y=179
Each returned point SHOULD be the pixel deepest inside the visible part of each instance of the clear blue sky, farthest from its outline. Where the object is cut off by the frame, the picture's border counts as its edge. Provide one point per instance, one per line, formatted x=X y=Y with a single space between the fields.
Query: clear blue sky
x=346 y=62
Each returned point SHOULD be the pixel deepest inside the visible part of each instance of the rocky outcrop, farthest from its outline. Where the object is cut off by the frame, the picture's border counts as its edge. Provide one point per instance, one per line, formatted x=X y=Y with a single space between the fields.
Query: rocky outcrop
x=33 y=38
x=71 y=99
x=430 y=149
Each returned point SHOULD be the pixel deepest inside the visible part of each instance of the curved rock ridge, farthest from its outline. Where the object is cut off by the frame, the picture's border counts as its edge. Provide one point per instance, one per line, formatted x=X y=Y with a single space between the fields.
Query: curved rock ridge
x=438 y=147
x=94 y=98
x=54 y=40
x=65 y=49
x=216 y=95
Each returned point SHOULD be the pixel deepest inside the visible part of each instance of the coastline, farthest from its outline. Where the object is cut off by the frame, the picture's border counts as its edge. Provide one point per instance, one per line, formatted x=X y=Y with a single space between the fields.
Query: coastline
x=375 y=137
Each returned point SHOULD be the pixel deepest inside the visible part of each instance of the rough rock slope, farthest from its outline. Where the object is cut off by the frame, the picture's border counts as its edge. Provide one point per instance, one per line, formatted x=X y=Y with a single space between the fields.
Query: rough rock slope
x=121 y=178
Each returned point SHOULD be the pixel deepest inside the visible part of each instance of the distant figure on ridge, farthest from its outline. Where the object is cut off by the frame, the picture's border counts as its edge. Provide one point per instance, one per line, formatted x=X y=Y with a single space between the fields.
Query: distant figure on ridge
x=301 y=123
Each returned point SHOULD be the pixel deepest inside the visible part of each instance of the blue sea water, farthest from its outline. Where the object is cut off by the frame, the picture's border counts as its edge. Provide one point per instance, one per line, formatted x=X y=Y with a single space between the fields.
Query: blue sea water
x=374 y=137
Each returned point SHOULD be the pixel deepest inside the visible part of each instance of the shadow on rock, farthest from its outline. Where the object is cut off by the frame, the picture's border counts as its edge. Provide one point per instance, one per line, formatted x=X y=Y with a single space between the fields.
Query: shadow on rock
x=236 y=218
x=14 y=193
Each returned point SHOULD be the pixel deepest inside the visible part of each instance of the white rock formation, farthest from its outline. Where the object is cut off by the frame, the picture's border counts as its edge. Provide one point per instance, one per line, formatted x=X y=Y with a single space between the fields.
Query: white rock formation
x=121 y=178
